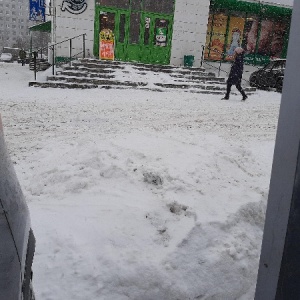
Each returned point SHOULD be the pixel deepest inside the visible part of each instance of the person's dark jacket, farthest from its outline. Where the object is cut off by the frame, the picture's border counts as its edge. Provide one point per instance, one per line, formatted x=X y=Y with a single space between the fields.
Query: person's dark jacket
x=22 y=54
x=236 y=71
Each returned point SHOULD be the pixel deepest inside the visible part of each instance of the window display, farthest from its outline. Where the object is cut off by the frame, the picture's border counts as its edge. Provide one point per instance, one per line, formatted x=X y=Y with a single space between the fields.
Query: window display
x=216 y=36
x=235 y=34
x=261 y=39
x=250 y=35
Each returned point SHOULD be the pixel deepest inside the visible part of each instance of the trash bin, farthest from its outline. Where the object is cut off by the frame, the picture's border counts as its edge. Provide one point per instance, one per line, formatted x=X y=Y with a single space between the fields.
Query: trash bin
x=188 y=60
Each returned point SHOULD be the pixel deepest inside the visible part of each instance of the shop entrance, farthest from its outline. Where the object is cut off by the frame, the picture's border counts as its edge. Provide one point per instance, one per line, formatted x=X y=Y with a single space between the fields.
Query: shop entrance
x=136 y=36
x=156 y=35
x=113 y=28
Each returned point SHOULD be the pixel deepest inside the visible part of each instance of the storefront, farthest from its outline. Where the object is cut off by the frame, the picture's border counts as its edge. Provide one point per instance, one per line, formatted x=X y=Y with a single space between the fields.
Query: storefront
x=262 y=30
x=154 y=32
x=134 y=31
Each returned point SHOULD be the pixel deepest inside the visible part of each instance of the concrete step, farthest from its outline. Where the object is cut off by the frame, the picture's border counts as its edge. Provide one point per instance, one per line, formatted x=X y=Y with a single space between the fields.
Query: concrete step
x=201 y=79
x=91 y=73
x=82 y=73
x=140 y=66
x=62 y=85
x=96 y=81
x=95 y=65
x=80 y=68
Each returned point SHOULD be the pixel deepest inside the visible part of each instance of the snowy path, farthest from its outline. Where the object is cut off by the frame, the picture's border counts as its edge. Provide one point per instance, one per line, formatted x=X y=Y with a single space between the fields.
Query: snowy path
x=141 y=195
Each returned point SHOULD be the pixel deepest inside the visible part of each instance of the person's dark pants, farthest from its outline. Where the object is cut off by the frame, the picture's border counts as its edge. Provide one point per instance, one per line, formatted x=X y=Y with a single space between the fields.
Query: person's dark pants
x=238 y=86
x=23 y=62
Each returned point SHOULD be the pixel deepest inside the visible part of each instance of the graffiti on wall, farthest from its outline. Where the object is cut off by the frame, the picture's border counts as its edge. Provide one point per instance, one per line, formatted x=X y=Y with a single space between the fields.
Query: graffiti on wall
x=74 y=6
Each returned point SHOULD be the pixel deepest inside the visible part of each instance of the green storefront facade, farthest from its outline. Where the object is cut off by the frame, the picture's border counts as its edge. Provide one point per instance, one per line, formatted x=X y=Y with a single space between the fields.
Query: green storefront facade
x=140 y=30
x=261 y=29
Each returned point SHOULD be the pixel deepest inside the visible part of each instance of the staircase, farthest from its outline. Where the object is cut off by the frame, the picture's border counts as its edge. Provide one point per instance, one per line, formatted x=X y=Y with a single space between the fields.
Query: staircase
x=93 y=73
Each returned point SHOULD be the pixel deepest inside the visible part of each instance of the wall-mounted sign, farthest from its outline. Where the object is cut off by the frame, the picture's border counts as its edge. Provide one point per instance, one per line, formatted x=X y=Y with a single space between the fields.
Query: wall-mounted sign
x=37 y=10
x=74 y=6
x=107 y=44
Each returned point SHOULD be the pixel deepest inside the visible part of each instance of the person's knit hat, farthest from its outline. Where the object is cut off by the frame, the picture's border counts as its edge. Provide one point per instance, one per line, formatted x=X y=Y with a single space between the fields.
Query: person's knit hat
x=239 y=50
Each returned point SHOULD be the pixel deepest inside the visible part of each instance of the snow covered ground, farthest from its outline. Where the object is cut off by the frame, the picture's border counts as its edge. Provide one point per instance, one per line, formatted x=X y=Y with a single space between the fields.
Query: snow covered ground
x=141 y=195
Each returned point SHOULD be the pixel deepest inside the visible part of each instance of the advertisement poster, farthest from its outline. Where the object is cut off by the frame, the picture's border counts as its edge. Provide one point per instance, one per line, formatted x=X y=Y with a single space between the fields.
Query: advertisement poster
x=107 y=45
x=271 y=40
x=215 y=39
x=235 y=35
x=208 y=35
x=161 y=27
x=250 y=35
x=161 y=37
x=37 y=10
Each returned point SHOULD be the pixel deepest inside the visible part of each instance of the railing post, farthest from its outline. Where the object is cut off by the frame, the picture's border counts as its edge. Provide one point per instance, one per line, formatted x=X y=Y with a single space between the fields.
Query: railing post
x=34 y=64
x=219 y=68
x=202 y=56
x=83 y=45
x=53 y=60
x=70 y=52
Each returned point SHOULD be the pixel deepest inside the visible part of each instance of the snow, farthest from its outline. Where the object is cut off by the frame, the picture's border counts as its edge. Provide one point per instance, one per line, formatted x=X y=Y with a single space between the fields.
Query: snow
x=138 y=194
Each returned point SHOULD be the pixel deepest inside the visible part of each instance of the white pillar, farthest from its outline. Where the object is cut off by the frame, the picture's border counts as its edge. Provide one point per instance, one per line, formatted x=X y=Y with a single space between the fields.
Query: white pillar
x=279 y=267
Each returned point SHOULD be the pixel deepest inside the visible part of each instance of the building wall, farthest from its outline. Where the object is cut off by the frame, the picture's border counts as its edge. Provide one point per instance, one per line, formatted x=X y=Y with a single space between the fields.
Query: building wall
x=14 y=22
x=69 y=25
x=189 y=30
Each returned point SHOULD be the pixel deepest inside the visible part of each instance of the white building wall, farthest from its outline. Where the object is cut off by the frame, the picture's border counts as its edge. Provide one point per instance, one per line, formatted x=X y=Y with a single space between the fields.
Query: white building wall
x=189 y=30
x=69 y=25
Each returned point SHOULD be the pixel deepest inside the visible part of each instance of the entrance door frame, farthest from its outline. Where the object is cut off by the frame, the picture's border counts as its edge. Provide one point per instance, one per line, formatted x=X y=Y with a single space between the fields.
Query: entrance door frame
x=152 y=53
x=120 y=48
x=138 y=52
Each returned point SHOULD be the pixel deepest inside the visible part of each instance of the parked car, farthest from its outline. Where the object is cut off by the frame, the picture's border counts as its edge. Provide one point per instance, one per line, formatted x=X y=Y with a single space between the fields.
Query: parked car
x=17 y=241
x=7 y=57
x=270 y=76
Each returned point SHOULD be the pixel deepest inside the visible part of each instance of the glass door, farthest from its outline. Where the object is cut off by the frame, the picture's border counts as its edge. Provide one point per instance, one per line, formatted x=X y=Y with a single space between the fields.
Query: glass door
x=156 y=38
x=112 y=37
x=107 y=35
x=121 y=36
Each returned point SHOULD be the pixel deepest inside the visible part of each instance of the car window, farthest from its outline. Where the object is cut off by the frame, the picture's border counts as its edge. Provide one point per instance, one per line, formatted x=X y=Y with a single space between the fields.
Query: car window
x=283 y=64
x=6 y=55
x=279 y=65
x=269 y=66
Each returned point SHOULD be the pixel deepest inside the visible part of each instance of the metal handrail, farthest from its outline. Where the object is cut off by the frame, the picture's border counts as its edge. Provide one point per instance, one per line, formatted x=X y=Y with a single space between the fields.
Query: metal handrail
x=52 y=47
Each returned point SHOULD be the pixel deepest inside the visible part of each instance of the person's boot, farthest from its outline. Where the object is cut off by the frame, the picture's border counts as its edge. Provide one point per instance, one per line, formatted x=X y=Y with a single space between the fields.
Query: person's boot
x=225 y=97
x=244 y=96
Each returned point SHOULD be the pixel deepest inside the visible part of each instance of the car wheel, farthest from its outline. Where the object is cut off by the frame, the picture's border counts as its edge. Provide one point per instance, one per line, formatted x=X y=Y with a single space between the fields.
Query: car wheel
x=278 y=86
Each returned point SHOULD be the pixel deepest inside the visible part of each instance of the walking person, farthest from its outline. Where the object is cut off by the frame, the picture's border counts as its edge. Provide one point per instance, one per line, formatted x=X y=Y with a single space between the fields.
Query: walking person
x=236 y=73
x=22 y=55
